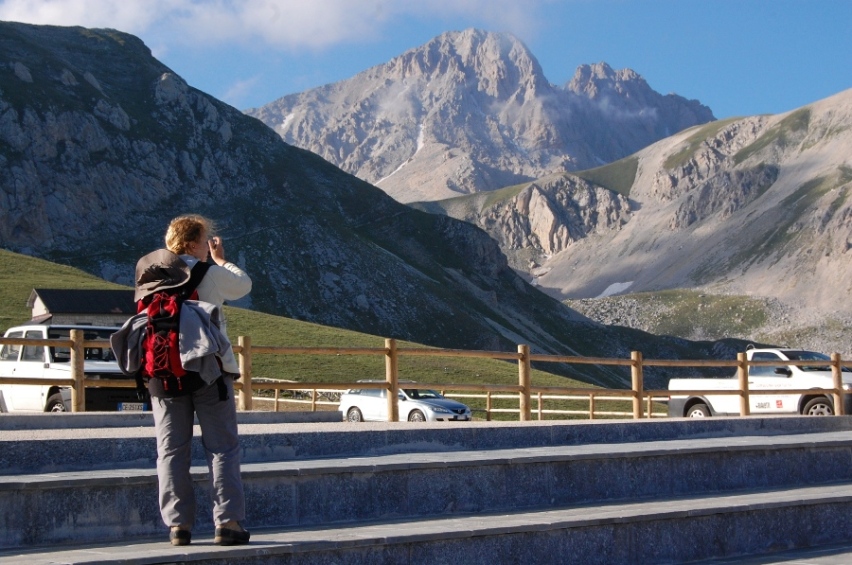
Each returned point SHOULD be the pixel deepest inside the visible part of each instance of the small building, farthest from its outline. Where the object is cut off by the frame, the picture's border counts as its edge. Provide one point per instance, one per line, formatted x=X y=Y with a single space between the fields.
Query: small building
x=79 y=306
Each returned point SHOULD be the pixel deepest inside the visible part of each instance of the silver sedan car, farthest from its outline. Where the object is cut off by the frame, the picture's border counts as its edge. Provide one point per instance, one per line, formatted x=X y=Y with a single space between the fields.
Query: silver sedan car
x=415 y=405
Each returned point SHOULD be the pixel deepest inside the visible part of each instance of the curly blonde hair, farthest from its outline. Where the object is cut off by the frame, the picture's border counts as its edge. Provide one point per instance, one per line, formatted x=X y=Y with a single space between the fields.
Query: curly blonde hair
x=187 y=229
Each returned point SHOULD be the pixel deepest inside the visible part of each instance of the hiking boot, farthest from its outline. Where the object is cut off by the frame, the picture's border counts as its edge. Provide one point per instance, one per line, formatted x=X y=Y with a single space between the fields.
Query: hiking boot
x=180 y=536
x=231 y=533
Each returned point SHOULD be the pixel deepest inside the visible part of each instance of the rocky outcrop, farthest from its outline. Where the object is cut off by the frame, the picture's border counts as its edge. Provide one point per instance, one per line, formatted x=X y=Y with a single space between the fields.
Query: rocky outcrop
x=472 y=111
x=560 y=212
x=723 y=193
x=540 y=219
x=704 y=154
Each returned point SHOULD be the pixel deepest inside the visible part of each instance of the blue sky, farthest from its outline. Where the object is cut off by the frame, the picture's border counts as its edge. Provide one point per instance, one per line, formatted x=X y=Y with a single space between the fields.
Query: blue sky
x=739 y=57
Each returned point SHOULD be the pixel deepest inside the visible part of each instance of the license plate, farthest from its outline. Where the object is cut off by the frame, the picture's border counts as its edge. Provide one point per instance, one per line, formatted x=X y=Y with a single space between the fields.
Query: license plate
x=132 y=406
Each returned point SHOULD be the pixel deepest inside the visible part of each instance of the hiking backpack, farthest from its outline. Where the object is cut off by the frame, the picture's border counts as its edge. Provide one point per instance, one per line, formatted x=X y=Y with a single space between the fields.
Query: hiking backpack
x=161 y=344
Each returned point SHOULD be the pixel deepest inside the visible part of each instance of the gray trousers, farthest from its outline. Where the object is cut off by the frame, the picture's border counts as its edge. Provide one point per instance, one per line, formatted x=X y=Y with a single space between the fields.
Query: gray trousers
x=173 y=421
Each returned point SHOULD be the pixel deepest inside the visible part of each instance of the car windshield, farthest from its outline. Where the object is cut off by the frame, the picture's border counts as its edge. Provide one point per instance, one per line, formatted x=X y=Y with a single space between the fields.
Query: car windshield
x=419 y=394
x=63 y=354
x=812 y=356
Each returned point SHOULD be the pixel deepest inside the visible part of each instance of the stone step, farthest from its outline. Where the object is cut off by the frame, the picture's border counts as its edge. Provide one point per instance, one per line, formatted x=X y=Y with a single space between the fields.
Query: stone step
x=662 y=530
x=121 y=504
x=102 y=443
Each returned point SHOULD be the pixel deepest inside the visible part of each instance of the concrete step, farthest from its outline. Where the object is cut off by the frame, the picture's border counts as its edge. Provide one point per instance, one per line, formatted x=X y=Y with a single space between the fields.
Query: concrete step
x=121 y=504
x=31 y=445
x=663 y=530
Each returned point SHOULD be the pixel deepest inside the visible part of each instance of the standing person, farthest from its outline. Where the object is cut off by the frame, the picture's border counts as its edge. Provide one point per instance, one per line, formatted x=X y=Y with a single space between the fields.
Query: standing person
x=189 y=240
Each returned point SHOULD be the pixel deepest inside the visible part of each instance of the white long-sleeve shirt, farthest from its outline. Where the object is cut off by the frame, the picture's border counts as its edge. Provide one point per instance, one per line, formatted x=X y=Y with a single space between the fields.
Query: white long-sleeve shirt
x=221 y=283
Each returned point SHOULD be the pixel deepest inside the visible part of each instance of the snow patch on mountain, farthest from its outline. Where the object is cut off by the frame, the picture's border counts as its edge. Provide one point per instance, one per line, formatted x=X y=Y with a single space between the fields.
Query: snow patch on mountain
x=615 y=288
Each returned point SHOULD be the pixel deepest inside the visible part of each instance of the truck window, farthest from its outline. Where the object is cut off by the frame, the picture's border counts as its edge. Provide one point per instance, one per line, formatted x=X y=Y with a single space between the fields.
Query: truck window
x=63 y=354
x=98 y=354
x=10 y=352
x=33 y=352
x=763 y=371
x=811 y=356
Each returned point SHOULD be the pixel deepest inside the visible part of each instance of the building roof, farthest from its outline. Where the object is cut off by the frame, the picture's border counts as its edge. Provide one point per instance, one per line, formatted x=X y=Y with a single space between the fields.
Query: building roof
x=79 y=301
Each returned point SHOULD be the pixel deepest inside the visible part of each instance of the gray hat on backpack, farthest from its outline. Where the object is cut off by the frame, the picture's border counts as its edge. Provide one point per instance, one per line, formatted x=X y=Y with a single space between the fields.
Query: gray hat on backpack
x=159 y=270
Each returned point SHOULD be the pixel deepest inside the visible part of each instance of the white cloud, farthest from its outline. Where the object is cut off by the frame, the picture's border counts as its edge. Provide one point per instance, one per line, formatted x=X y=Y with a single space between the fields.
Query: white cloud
x=289 y=24
x=237 y=92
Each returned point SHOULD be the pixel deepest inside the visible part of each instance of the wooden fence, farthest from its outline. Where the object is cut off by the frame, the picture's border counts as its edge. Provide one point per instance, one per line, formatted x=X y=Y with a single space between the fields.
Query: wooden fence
x=642 y=399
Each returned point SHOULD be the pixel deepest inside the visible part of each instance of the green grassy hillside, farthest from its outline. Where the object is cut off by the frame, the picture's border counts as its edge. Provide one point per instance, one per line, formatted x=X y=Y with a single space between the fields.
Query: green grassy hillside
x=22 y=273
x=617 y=176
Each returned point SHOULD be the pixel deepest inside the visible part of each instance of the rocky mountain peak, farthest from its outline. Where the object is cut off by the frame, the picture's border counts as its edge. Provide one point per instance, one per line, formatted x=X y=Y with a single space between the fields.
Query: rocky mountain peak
x=472 y=111
x=496 y=65
x=598 y=79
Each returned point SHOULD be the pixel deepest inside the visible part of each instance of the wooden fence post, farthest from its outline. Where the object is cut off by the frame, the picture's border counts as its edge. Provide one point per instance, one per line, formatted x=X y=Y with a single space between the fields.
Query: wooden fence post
x=78 y=356
x=742 y=375
x=488 y=406
x=591 y=406
x=637 y=378
x=524 y=370
x=245 y=373
x=837 y=377
x=392 y=378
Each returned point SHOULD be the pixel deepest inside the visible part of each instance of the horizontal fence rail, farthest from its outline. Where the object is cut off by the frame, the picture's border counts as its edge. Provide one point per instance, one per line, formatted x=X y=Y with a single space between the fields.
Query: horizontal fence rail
x=328 y=394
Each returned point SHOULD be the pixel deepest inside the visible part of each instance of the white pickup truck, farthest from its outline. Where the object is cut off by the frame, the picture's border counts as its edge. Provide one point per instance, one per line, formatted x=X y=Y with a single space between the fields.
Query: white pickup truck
x=777 y=378
x=47 y=362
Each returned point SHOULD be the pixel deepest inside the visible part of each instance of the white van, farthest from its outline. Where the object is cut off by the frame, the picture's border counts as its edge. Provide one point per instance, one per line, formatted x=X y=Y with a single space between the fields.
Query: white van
x=46 y=362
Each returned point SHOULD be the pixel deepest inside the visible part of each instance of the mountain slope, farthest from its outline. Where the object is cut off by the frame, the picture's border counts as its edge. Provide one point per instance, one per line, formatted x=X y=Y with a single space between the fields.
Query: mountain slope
x=757 y=207
x=472 y=111
x=101 y=144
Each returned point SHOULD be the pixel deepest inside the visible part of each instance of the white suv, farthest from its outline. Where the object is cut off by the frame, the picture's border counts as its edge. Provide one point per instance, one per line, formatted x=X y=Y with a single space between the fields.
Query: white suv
x=45 y=362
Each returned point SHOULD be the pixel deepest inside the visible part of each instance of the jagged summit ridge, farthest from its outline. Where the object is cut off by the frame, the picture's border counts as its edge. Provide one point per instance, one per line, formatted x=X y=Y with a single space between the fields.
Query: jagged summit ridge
x=471 y=111
x=500 y=64
x=594 y=80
